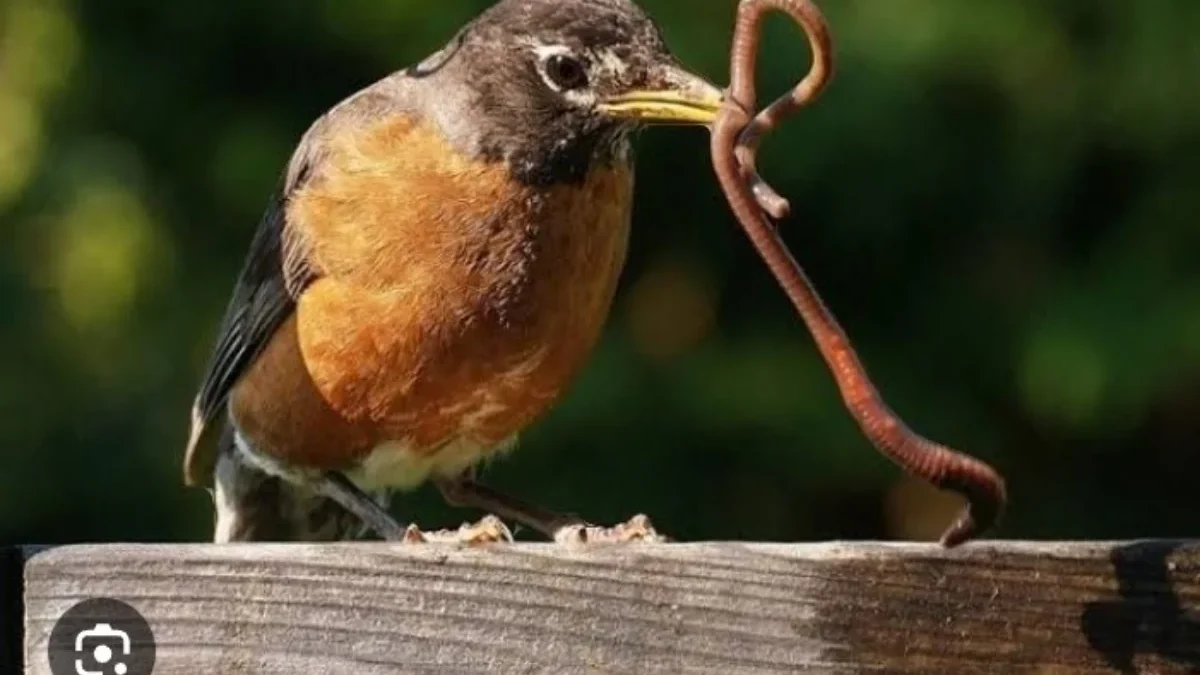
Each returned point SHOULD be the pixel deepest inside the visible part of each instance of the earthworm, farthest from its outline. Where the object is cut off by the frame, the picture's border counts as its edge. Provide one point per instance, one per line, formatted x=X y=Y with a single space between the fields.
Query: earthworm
x=735 y=139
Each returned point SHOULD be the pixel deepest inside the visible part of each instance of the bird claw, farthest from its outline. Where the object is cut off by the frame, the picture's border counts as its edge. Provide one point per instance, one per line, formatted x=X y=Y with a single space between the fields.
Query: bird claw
x=489 y=530
x=637 y=528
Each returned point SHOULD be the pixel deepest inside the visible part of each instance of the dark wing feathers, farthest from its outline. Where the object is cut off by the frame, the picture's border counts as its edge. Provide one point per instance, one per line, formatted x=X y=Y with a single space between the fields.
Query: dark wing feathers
x=277 y=269
x=263 y=298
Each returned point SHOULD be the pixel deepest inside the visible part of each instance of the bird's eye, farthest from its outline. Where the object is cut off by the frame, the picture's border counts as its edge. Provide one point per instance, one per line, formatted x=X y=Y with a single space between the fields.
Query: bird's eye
x=566 y=72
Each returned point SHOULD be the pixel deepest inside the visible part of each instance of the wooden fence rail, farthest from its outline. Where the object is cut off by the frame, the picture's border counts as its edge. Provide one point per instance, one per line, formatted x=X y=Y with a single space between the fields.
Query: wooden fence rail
x=720 y=608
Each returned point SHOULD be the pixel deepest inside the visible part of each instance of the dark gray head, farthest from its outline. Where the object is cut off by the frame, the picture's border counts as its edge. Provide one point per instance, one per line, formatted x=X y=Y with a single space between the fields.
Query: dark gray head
x=556 y=86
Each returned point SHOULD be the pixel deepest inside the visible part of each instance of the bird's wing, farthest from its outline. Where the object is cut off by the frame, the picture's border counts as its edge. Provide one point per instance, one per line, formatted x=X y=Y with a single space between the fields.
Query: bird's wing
x=276 y=272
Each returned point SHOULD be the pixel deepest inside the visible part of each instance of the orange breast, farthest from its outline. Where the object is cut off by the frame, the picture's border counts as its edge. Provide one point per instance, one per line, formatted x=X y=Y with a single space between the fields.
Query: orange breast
x=455 y=302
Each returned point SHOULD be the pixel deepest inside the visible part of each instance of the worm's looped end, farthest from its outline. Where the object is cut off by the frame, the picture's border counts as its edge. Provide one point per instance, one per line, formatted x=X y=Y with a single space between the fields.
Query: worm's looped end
x=742 y=88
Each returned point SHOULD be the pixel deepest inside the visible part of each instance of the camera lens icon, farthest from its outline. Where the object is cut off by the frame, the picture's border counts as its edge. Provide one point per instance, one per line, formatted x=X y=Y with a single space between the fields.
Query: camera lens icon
x=102 y=652
x=101 y=637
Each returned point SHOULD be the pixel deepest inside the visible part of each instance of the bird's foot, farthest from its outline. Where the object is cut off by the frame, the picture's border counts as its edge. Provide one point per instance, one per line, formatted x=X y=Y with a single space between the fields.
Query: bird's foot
x=489 y=530
x=638 y=528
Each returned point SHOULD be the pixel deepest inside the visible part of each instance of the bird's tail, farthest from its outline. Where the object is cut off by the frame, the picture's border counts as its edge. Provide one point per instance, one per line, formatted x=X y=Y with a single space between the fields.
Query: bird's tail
x=252 y=505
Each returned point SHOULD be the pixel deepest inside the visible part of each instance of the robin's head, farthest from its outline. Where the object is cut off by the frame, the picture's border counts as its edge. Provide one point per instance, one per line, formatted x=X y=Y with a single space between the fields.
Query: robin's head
x=556 y=86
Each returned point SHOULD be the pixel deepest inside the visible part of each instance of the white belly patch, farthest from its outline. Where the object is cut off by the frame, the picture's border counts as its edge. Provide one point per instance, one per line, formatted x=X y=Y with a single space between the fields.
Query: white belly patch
x=395 y=465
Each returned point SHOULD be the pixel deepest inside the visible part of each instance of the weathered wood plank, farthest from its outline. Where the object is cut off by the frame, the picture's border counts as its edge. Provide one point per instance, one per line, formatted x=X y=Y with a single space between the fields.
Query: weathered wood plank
x=685 y=608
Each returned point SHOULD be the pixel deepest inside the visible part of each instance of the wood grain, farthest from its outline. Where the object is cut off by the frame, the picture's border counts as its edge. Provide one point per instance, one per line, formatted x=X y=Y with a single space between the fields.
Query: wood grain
x=721 y=608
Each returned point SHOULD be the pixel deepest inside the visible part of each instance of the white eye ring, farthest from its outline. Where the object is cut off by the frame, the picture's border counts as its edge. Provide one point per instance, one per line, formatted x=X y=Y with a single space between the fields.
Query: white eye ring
x=552 y=59
x=565 y=72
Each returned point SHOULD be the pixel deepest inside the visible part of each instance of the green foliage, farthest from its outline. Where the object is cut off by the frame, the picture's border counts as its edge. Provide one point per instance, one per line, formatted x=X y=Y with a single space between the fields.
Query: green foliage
x=998 y=199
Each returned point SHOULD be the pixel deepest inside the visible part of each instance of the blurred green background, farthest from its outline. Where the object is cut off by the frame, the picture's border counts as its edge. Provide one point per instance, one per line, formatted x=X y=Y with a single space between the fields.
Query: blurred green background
x=1000 y=201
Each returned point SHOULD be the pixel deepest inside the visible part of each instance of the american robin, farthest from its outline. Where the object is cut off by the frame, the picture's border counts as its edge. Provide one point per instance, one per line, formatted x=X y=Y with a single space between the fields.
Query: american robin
x=433 y=270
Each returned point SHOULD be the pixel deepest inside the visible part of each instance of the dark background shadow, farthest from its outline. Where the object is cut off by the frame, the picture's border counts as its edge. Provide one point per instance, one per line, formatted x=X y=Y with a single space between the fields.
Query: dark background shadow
x=12 y=609
x=1147 y=617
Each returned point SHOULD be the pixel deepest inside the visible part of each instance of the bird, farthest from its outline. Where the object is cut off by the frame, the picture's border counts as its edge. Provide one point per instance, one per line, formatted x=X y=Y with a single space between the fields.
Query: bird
x=431 y=273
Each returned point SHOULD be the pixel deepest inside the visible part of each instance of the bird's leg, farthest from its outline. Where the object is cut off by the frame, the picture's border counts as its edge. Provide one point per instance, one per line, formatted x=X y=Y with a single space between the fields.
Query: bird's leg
x=342 y=490
x=465 y=491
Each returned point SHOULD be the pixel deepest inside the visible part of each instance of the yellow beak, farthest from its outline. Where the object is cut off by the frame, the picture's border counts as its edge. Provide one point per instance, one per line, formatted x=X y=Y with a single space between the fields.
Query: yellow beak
x=685 y=99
